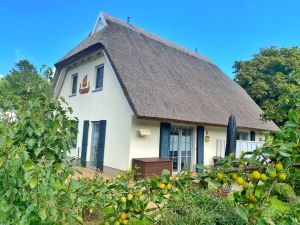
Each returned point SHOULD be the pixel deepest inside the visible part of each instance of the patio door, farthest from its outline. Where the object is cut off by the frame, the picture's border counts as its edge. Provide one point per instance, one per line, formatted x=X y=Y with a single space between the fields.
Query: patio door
x=181 y=147
x=95 y=144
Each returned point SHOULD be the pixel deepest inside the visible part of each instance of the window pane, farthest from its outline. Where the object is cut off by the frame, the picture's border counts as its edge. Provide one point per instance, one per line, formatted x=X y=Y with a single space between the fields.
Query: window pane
x=74 y=84
x=99 y=77
x=95 y=142
x=74 y=140
x=241 y=135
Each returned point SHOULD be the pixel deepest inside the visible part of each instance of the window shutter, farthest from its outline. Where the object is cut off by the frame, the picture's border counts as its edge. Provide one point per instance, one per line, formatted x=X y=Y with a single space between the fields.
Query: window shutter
x=200 y=145
x=84 y=144
x=101 y=145
x=164 y=145
x=252 y=136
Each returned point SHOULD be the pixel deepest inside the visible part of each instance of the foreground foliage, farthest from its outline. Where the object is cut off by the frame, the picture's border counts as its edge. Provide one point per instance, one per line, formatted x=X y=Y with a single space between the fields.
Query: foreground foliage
x=258 y=174
x=33 y=166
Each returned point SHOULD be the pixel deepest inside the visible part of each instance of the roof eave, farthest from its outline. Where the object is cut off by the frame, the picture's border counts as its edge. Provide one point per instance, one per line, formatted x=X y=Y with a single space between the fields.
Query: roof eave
x=201 y=123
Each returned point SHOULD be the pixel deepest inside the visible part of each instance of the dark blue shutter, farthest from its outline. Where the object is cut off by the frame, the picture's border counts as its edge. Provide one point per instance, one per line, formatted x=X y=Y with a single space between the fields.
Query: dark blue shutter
x=101 y=145
x=252 y=136
x=164 y=143
x=85 y=134
x=200 y=145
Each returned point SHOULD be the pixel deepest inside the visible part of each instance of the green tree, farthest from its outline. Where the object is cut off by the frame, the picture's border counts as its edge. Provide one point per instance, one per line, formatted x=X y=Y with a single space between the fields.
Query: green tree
x=272 y=79
x=24 y=83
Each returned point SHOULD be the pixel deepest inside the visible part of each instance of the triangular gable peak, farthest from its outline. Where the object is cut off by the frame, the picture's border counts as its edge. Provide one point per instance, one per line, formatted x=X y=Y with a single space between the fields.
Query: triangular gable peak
x=100 y=23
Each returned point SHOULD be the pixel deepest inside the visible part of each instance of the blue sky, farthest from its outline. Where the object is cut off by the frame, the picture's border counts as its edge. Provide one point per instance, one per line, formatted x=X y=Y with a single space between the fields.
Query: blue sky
x=42 y=31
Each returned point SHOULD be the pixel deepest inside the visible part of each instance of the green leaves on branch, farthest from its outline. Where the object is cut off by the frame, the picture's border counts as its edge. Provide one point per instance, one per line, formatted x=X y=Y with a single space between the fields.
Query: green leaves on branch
x=272 y=79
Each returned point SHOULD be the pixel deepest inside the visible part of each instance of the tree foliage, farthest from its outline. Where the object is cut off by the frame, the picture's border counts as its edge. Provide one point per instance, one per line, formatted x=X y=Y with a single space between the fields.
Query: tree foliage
x=24 y=83
x=272 y=79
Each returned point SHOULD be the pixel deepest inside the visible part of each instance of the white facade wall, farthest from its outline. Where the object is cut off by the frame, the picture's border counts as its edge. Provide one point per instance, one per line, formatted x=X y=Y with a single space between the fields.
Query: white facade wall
x=148 y=146
x=144 y=146
x=110 y=104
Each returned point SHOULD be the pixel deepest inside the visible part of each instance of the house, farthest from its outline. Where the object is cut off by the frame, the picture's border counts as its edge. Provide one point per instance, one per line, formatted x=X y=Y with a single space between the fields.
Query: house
x=137 y=95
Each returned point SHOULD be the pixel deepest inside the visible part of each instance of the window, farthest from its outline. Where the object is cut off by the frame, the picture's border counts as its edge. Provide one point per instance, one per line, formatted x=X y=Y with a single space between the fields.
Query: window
x=74 y=84
x=99 y=78
x=180 y=147
x=74 y=139
x=242 y=135
x=95 y=144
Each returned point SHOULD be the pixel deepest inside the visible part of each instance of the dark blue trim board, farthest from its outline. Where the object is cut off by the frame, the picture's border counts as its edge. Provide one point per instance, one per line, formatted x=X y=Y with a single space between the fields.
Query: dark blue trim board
x=164 y=143
x=84 y=144
x=200 y=145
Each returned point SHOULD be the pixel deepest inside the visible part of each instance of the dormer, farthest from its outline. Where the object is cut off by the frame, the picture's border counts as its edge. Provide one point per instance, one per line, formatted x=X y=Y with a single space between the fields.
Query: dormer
x=100 y=23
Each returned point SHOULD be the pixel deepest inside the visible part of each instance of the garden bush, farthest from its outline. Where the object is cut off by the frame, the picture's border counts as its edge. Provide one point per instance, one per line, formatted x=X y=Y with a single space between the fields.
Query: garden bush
x=198 y=206
x=294 y=181
x=285 y=192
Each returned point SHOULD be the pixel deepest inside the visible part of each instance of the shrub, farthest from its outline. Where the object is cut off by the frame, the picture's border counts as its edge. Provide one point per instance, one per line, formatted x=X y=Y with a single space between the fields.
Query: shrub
x=284 y=192
x=198 y=206
x=34 y=172
x=294 y=181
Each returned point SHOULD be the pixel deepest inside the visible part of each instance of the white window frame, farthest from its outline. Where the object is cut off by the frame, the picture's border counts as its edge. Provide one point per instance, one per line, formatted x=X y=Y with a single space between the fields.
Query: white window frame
x=95 y=78
x=179 y=151
x=72 y=82
x=92 y=145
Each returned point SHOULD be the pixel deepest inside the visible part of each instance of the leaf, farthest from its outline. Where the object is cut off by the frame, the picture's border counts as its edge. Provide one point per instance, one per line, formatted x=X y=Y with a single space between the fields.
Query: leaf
x=291 y=124
x=29 y=131
x=57 y=185
x=293 y=116
x=31 y=142
x=43 y=213
x=33 y=182
x=1 y=161
x=165 y=172
x=28 y=165
x=242 y=212
x=285 y=153
x=200 y=166
x=261 y=221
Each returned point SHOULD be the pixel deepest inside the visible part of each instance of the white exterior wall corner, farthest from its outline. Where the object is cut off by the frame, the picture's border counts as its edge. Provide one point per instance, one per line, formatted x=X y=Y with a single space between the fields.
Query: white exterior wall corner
x=147 y=146
x=110 y=104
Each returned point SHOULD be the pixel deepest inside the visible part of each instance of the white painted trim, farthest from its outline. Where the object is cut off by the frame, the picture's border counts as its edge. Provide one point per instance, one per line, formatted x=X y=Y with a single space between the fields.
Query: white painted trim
x=97 y=25
x=119 y=84
x=60 y=81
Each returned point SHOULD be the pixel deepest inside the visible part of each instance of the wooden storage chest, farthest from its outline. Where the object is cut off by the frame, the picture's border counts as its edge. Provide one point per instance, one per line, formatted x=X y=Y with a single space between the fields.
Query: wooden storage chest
x=148 y=167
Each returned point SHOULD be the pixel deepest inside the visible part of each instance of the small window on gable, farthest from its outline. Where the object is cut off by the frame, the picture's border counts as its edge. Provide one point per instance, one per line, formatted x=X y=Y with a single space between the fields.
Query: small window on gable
x=242 y=135
x=99 y=77
x=74 y=84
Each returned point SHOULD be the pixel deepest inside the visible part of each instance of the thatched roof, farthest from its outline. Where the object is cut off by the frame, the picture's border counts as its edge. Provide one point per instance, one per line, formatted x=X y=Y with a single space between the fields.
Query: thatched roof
x=164 y=81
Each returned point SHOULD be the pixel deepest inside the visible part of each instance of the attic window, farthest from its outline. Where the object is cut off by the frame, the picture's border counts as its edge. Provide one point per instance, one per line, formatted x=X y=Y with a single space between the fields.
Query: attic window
x=100 y=23
x=74 y=84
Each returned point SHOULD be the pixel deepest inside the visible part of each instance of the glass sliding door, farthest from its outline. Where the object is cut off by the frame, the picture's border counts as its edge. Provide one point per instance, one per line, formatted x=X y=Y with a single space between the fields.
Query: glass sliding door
x=95 y=144
x=174 y=147
x=181 y=147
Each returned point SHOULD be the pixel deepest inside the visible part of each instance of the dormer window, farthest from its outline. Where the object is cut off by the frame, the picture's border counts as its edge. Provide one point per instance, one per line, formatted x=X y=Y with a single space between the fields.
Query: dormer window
x=99 y=78
x=74 y=84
